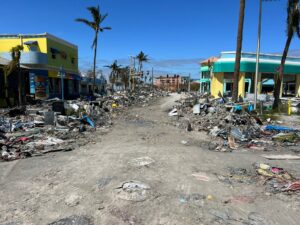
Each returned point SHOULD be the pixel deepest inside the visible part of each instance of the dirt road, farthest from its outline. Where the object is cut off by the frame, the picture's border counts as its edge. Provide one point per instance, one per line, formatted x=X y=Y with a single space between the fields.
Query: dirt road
x=174 y=182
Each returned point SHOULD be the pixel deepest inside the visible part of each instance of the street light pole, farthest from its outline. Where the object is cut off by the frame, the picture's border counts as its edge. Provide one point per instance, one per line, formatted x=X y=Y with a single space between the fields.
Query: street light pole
x=257 y=54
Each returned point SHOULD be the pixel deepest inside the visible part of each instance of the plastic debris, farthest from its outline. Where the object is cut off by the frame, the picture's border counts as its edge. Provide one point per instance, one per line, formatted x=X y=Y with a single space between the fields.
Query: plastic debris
x=279 y=128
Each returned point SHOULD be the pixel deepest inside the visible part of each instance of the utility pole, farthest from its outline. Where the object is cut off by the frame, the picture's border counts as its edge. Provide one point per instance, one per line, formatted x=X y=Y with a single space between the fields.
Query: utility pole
x=133 y=73
x=189 y=87
x=152 y=78
x=257 y=55
x=130 y=73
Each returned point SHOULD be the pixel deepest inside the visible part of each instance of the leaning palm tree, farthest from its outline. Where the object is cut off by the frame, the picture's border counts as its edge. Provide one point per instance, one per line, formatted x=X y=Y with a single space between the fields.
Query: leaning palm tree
x=238 y=52
x=141 y=57
x=114 y=73
x=98 y=19
x=293 y=23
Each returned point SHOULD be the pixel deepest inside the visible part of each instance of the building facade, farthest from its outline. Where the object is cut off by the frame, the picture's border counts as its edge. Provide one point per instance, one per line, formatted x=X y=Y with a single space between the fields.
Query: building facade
x=217 y=78
x=47 y=58
x=169 y=83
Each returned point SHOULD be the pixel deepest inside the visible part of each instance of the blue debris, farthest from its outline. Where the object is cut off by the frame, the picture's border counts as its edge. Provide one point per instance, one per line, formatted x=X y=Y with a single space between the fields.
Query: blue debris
x=237 y=108
x=279 y=128
x=89 y=121
x=250 y=108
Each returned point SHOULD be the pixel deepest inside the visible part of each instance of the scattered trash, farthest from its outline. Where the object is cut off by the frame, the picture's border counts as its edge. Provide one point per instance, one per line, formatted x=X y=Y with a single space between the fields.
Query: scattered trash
x=277 y=179
x=209 y=197
x=281 y=157
x=240 y=199
x=278 y=128
x=73 y=220
x=201 y=177
x=134 y=191
x=54 y=125
x=237 y=126
x=196 y=109
x=173 y=112
x=184 y=142
x=231 y=143
x=142 y=161
x=195 y=198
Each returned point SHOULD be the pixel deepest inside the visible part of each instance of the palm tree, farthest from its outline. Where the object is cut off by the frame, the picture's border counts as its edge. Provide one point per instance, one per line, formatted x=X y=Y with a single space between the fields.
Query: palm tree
x=124 y=76
x=238 y=52
x=292 y=28
x=13 y=65
x=98 y=19
x=115 y=72
x=141 y=57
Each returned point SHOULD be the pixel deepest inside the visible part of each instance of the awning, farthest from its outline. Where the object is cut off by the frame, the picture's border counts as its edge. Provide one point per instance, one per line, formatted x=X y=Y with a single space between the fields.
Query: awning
x=204 y=69
x=268 y=82
x=205 y=80
x=31 y=43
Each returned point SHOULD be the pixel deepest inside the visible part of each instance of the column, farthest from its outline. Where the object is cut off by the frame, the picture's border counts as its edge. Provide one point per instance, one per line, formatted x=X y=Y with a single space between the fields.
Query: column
x=217 y=84
x=259 y=84
x=297 y=88
x=241 y=85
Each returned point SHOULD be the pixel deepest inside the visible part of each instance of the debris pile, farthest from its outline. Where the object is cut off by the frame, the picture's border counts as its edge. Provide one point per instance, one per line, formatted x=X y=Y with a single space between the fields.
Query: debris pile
x=236 y=125
x=55 y=125
x=276 y=178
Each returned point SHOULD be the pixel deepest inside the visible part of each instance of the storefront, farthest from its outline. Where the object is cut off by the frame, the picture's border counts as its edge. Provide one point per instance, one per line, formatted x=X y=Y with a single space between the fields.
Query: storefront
x=222 y=70
x=71 y=85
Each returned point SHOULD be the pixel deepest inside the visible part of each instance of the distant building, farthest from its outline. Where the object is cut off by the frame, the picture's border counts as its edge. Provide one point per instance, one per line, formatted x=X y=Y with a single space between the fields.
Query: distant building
x=170 y=83
x=217 y=74
x=45 y=57
x=86 y=85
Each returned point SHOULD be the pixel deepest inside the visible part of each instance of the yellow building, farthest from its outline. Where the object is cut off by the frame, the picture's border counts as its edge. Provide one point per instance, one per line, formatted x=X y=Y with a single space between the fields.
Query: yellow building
x=46 y=57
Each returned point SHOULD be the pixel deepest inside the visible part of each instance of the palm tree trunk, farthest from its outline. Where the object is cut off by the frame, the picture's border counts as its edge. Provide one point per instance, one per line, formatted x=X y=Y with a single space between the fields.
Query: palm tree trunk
x=238 y=52
x=95 y=58
x=19 y=85
x=279 y=77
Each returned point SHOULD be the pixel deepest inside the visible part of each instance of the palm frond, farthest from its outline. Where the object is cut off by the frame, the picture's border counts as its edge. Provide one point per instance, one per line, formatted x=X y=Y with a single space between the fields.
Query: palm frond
x=95 y=12
x=103 y=17
x=85 y=21
x=104 y=28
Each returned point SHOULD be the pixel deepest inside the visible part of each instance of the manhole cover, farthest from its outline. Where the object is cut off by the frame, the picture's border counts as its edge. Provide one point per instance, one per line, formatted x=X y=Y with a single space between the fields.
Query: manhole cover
x=133 y=191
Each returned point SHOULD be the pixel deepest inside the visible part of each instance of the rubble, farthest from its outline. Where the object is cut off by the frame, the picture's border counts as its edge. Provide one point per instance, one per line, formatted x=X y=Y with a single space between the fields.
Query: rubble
x=135 y=191
x=277 y=179
x=236 y=126
x=54 y=125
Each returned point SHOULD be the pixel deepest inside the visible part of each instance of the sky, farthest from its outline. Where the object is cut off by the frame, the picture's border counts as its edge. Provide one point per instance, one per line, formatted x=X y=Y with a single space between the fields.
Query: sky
x=175 y=34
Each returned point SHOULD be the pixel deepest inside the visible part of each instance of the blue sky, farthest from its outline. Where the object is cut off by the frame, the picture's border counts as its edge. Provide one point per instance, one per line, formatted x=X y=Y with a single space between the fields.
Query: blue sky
x=176 y=34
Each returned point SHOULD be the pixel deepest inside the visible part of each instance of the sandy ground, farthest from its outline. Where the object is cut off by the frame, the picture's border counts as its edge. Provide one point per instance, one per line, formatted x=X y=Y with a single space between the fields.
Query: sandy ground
x=181 y=186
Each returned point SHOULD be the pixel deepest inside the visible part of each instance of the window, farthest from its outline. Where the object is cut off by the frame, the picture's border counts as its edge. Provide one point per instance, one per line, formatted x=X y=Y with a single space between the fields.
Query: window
x=73 y=60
